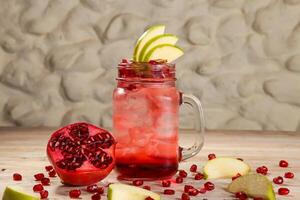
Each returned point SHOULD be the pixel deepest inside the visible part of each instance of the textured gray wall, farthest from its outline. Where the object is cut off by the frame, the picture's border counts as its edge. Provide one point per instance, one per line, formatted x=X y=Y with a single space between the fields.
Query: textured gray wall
x=242 y=58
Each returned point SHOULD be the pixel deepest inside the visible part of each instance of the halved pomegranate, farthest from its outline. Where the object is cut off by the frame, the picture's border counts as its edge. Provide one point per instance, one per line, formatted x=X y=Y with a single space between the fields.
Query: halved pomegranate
x=82 y=154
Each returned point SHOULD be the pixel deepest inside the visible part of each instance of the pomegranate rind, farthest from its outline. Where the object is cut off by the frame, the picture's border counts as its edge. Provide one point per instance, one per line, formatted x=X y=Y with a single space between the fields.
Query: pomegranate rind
x=87 y=174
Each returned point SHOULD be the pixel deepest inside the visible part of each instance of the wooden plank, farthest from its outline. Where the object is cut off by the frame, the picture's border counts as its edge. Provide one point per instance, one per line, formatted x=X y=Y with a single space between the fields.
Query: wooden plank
x=23 y=150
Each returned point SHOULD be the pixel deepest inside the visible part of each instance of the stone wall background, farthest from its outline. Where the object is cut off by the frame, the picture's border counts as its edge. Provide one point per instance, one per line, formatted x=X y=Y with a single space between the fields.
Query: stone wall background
x=242 y=58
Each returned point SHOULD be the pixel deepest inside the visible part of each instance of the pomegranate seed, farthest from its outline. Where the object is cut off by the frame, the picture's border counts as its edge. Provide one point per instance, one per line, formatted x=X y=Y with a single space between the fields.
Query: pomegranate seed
x=199 y=176
x=44 y=194
x=182 y=173
x=289 y=175
x=193 y=168
x=52 y=173
x=179 y=179
x=147 y=187
x=166 y=183
x=138 y=182
x=258 y=198
x=209 y=186
x=169 y=191
x=48 y=168
x=202 y=190
x=74 y=193
x=262 y=170
x=283 y=163
x=278 y=180
x=45 y=181
x=38 y=188
x=187 y=188
x=283 y=191
x=96 y=196
x=241 y=159
x=17 y=177
x=92 y=188
x=124 y=60
x=39 y=176
x=193 y=192
x=149 y=198
x=185 y=196
x=211 y=156
x=236 y=176
x=241 y=195
x=100 y=190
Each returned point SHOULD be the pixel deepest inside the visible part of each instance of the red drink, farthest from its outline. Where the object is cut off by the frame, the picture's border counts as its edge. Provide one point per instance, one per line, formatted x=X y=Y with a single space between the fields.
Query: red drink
x=145 y=120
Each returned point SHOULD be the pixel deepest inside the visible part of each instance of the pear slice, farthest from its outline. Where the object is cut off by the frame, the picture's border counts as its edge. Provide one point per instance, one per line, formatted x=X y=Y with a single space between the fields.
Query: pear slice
x=160 y=39
x=254 y=185
x=164 y=51
x=118 y=191
x=147 y=35
x=17 y=193
x=225 y=167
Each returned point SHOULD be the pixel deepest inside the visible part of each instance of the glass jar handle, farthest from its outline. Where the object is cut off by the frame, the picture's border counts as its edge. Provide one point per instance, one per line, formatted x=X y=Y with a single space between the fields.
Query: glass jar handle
x=195 y=103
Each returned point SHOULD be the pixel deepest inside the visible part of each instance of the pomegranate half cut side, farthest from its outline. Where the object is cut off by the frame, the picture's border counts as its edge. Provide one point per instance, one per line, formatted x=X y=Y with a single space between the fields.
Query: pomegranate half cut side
x=81 y=153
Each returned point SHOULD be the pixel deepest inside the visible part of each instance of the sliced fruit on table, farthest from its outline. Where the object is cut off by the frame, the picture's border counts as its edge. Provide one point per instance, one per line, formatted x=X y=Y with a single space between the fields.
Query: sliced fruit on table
x=158 y=40
x=164 y=51
x=17 y=193
x=119 y=191
x=253 y=185
x=225 y=167
x=147 y=35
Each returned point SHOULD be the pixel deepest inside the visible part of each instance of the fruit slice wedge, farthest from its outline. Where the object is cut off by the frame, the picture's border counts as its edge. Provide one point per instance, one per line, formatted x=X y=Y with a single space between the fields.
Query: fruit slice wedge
x=160 y=39
x=17 y=193
x=147 y=35
x=225 y=167
x=164 y=51
x=254 y=185
x=118 y=191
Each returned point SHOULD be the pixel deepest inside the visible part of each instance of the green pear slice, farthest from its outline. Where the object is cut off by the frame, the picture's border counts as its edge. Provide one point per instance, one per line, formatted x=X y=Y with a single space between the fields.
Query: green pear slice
x=225 y=167
x=164 y=51
x=147 y=35
x=118 y=191
x=254 y=185
x=17 y=193
x=160 y=39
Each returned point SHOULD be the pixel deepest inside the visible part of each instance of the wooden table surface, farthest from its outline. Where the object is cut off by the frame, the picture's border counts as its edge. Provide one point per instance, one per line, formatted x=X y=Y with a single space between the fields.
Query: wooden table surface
x=23 y=150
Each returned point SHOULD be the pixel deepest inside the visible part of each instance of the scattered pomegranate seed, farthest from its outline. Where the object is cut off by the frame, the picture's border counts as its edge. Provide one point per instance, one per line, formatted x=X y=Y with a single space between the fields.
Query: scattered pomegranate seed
x=283 y=191
x=38 y=188
x=100 y=190
x=166 y=183
x=193 y=192
x=278 y=180
x=262 y=170
x=147 y=187
x=202 y=190
x=283 y=163
x=44 y=194
x=48 y=168
x=209 y=186
x=236 y=176
x=45 y=181
x=193 y=168
x=17 y=177
x=149 y=198
x=124 y=60
x=138 y=182
x=52 y=173
x=241 y=159
x=185 y=196
x=182 y=173
x=39 y=176
x=211 y=156
x=169 y=191
x=74 y=193
x=258 y=198
x=92 y=188
x=241 y=195
x=199 y=176
x=179 y=179
x=96 y=196
x=289 y=175
x=187 y=188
